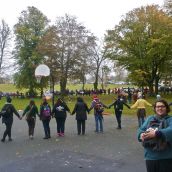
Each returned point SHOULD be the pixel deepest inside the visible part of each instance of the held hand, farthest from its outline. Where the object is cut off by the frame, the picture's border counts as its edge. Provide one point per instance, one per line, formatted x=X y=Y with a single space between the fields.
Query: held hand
x=149 y=134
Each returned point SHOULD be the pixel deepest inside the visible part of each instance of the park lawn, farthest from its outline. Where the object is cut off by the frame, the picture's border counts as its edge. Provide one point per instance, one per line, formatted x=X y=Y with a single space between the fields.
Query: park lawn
x=12 y=88
x=20 y=104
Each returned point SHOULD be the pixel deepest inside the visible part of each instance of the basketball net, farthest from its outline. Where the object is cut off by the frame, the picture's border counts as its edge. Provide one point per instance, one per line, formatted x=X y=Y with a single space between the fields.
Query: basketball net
x=38 y=78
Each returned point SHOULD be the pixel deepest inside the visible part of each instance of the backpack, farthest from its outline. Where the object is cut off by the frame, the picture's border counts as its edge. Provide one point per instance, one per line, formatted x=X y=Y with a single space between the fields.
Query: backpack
x=157 y=144
x=98 y=107
x=6 y=112
x=46 y=111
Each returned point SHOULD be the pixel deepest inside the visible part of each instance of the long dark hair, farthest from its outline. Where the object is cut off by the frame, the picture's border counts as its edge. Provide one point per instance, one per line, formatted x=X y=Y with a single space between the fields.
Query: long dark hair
x=32 y=103
x=79 y=99
x=44 y=101
x=59 y=102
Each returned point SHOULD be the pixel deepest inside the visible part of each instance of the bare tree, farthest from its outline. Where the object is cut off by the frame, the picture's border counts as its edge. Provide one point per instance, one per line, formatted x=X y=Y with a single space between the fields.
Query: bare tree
x=98 y=56
x=4 y=41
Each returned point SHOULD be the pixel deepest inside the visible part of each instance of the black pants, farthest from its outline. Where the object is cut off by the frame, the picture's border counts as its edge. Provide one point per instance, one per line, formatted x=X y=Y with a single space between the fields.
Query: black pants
x=164 y=165
x=31 y=125
x=118 y=115
x=60 y=125
x=46 y=127
x=81 y=124
x=8 y=124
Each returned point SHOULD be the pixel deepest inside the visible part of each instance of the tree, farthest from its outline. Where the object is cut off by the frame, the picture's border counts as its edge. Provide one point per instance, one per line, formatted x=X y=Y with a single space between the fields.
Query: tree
x=66 y=45
x=97 y=57
x=28 y=31
x=168 y=7
x=141 y=41
x=5 y=34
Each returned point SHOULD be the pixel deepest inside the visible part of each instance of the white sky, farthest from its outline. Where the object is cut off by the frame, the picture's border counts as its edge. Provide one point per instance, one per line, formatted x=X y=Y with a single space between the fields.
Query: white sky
x=96 y=15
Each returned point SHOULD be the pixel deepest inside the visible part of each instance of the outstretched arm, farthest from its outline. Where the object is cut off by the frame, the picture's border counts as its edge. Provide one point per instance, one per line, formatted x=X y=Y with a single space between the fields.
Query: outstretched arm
x=126 y=105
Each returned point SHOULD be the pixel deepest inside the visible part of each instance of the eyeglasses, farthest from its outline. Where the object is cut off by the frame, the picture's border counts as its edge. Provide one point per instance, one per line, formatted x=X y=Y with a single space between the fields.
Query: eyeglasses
x=160 y=107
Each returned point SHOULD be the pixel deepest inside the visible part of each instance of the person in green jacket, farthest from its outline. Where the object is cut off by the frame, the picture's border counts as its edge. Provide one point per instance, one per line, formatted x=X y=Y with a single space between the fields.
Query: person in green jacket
x=30 y=112
x=156 y=137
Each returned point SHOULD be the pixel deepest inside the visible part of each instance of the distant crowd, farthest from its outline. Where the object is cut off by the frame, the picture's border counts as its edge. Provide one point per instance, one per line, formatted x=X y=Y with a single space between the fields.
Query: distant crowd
x=130 y=92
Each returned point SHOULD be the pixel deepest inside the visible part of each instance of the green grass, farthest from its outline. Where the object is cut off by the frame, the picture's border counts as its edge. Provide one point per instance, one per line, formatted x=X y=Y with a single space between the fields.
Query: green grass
x=12 y=87
x=106 y=99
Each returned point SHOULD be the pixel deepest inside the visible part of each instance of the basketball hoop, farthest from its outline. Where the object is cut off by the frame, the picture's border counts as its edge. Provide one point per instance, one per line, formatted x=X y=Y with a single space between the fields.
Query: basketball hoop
x=41 y=71
x=38 y=78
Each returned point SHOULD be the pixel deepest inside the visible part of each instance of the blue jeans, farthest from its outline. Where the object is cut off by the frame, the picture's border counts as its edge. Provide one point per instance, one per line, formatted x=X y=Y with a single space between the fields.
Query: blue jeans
x=141 y=120
x=99 y=122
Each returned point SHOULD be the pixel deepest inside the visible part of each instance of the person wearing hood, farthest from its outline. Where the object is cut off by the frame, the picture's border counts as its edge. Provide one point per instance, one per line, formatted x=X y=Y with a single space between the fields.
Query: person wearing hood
x=7 y=118
x=81 y=110
x=140 y=104
x=118 y=107
x=156 y=137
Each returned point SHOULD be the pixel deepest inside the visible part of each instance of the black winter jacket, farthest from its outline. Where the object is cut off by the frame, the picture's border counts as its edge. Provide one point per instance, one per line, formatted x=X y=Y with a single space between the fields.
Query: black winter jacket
x=60 y=110
x=118 y=105
x=7 y=112
x=81 y=110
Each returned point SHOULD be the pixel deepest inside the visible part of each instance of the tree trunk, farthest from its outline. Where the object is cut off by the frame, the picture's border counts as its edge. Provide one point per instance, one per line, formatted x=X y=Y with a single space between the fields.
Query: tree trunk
x=63 y=82
x=52 y=90
x=83 y=83
x=156 y=84
x=151 y=90
x=96 y=80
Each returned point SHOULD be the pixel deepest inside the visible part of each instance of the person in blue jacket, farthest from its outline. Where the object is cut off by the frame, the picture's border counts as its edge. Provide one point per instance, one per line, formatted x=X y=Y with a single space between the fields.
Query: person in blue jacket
x=157 y=139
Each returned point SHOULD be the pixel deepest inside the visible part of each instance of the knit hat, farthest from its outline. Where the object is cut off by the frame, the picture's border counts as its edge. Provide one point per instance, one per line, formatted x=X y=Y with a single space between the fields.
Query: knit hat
x=95 y=97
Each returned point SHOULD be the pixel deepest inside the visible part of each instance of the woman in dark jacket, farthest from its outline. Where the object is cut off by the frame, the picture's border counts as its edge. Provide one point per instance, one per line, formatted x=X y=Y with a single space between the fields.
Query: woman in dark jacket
x=31 y=111
x=7 y=118
x=59 y=111
x=45 y=116
x=81 y=110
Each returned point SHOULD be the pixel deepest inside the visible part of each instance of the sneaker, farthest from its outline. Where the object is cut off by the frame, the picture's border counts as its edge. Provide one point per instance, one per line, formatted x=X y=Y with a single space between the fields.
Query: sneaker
x=31 y=137
x=10 y=139
x=58 y=134
x=2 y=140
x=45 y=138
x=62 y=134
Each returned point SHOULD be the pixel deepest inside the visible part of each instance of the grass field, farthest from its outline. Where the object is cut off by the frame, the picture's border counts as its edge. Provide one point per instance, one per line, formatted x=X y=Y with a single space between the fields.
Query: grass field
x=12 y=88
x=106 y=99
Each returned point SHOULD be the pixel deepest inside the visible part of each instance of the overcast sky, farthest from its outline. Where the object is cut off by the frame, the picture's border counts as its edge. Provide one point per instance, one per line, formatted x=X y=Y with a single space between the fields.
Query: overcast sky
x=97 y=15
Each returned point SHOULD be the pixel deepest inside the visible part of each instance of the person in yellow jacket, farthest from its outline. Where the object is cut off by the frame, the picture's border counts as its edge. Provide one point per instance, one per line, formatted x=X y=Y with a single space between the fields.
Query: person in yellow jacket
x=140 y=104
